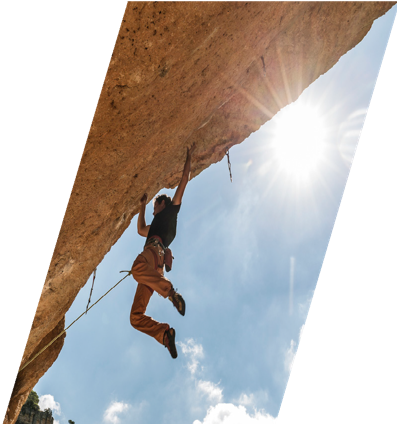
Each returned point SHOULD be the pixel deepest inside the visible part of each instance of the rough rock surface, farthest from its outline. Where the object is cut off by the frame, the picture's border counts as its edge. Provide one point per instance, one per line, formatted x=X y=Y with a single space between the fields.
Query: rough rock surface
x=34 y=417
x=210 y=73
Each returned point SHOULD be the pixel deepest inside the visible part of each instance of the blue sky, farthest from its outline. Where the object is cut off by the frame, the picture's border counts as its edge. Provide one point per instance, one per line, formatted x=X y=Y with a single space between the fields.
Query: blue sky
x=232 y=264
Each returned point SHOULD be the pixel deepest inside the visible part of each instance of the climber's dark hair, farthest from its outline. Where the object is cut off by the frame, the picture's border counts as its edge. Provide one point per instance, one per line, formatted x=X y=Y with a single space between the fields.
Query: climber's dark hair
x=164 y=197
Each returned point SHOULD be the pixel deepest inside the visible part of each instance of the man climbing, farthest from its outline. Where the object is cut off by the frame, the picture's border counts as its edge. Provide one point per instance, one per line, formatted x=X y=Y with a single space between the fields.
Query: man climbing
x=148 y=268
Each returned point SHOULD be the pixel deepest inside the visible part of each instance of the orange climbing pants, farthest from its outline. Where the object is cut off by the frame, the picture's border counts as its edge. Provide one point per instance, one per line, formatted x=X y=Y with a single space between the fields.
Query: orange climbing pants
x=148 y=270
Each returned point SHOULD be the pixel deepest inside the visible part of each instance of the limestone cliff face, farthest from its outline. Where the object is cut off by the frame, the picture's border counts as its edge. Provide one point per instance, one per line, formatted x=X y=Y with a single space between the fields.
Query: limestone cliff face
x=34 y=417
x=210 y=73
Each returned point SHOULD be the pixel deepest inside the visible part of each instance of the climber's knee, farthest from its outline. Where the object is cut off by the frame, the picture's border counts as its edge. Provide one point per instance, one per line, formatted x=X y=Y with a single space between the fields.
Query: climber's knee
x=132 y=320
x=135 y=317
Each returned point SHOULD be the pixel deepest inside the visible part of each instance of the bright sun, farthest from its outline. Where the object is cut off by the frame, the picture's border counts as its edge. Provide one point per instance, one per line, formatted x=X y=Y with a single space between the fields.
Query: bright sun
x=298 y=141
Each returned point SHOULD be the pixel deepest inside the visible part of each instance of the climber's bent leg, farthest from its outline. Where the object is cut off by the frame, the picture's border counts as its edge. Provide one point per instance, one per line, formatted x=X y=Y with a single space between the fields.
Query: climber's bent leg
x=142 y=322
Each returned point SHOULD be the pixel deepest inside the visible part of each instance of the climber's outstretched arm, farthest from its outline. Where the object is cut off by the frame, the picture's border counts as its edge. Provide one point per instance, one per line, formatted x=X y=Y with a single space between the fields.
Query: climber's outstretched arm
x=177 y=199
x=143 y=229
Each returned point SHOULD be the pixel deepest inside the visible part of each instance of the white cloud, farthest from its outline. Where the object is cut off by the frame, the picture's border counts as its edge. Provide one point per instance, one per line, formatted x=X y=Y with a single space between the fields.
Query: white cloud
x=291 y=352
x=301 y=332
x=56 y=422
x=227 y=413
x=304 y=307
x=211 y=390
x=115 y=408
x=211 y=393
x=252 y=400
x=246 y=400
x=289 y=357
x=194 y=351
x=48 y=401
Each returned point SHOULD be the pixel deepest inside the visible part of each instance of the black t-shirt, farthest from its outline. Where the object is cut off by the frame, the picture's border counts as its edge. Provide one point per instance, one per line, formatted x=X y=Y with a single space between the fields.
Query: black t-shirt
x=164 y=224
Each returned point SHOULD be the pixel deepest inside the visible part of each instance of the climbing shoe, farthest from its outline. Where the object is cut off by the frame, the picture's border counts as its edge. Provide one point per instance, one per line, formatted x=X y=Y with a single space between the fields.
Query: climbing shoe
x=169 y=342
x=177 y=301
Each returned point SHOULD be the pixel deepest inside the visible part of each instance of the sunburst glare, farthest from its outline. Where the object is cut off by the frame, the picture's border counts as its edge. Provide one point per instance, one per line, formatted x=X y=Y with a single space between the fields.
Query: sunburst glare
x=298 y=140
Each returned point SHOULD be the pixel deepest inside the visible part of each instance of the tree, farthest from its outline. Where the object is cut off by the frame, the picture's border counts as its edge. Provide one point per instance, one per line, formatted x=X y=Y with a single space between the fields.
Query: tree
x=71 y=422
x=32 y=402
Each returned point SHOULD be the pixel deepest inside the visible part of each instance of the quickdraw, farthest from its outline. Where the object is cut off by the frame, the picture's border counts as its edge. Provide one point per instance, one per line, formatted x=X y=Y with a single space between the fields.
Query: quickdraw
x=92 y=288
x=229 y=165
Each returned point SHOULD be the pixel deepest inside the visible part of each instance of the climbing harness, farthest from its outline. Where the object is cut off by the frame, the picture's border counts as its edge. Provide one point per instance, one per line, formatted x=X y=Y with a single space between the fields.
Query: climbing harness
x=64 y=331
x=92 y=288
x=229 y=165
x=163 y=251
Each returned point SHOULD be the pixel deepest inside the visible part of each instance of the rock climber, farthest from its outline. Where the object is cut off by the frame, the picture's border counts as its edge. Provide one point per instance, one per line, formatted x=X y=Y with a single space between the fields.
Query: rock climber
x=148 y=268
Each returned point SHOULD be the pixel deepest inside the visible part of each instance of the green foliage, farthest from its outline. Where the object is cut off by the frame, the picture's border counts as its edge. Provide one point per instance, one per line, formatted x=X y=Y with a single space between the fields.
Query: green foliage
x=32 y=402
x=32 y=405
x=71 y=422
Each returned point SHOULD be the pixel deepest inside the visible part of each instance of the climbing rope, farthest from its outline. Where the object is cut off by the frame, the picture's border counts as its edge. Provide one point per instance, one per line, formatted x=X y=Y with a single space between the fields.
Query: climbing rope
x=64 y=331
x=229 y=165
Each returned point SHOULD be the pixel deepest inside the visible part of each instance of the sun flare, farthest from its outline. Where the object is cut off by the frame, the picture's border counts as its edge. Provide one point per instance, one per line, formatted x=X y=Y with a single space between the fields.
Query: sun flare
x=298 y=141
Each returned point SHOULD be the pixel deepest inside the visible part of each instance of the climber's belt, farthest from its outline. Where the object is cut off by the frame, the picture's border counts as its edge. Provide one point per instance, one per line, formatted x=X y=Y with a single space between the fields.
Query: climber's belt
x=155 y=241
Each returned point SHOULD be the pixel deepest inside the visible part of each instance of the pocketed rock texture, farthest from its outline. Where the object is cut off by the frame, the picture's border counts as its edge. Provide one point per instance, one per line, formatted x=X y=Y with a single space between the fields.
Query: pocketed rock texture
x=210 y=73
